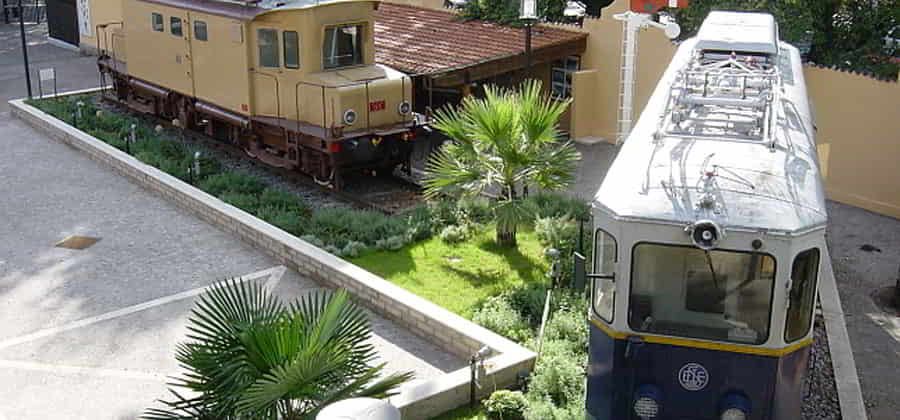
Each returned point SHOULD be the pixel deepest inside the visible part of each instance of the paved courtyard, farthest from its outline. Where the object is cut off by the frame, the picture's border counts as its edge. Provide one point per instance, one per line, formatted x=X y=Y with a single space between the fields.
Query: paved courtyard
x=90 y=334
x=73 y=70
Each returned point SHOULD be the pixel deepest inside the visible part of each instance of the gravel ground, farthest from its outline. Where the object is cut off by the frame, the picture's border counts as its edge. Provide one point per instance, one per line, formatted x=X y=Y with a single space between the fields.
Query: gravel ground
x=820 y=398
x=385 y=191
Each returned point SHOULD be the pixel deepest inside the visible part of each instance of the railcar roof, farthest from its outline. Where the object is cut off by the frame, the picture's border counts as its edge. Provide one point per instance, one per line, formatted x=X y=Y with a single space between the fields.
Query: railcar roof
x=244 y=10
x=757 y=187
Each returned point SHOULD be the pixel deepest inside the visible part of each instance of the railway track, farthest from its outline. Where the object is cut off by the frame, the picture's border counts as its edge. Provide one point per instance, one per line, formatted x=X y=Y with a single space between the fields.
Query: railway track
x=389 y=194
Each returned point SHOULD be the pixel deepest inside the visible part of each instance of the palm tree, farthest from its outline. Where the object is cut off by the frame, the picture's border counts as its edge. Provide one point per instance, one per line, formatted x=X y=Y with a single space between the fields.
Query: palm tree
x=251 y=357
x=505 y=142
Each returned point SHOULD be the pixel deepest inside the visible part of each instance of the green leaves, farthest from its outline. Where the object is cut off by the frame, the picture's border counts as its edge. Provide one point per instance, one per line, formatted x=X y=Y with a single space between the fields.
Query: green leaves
x=502 y=143
x=251 y=357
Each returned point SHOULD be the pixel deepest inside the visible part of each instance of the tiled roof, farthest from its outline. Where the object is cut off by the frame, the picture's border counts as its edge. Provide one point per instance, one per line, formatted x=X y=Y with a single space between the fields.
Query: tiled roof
x=426 y=41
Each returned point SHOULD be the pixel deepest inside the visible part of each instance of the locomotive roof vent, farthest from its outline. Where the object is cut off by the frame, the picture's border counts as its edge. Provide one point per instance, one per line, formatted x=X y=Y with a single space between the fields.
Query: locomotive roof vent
x=740 y=32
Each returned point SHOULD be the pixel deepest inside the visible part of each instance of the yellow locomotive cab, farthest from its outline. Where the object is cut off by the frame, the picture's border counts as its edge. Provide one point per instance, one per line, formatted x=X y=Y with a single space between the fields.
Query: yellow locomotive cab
x=289 y=81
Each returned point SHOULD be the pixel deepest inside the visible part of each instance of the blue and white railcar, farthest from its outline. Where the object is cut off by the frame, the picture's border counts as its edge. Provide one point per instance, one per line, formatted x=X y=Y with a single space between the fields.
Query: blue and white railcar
x=710 y=238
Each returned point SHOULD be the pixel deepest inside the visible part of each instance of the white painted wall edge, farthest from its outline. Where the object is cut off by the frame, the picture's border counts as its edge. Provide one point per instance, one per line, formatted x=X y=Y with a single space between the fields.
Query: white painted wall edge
x=844 y=365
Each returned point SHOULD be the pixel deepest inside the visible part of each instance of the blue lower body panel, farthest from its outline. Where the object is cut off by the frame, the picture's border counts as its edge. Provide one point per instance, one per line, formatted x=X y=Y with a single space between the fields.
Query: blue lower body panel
x=693 y=381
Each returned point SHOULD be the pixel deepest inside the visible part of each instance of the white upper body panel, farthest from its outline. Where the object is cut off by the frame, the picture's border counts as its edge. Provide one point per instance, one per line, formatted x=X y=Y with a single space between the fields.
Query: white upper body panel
x=768 y=184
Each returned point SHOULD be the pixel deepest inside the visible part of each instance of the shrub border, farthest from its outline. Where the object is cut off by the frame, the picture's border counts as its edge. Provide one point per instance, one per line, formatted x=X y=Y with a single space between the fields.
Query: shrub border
x=424 y=318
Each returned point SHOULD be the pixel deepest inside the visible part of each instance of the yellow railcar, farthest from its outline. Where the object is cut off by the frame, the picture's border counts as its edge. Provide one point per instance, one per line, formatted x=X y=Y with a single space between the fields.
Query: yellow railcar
x=293 y=82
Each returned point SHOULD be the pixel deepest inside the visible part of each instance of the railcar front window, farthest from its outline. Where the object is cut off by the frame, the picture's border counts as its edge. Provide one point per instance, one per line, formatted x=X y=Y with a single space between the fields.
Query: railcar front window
x=802 y=296
x=604 y=296
x=343 y=46
x=715 y=295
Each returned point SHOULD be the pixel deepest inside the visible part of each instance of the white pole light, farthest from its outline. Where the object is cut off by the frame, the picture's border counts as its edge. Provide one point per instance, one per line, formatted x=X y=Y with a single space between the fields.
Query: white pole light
x=528 y=10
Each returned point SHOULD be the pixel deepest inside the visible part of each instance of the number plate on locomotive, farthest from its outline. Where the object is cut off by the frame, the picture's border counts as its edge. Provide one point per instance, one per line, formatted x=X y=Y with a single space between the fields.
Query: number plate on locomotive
x=376 y=106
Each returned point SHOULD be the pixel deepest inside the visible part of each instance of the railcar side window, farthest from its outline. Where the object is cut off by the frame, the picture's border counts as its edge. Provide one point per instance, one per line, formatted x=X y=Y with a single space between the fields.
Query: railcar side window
x=605 y=258
x=802 y=297
x=175 y=26
x=156 y=21
x=343 y=46
x=268 y=47
x=291 y=49
x=200 y=32
x=688 y=292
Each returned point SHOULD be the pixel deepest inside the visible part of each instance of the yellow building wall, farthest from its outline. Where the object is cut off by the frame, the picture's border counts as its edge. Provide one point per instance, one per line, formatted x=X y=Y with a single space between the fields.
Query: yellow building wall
x=595 y=90
x=858 y=133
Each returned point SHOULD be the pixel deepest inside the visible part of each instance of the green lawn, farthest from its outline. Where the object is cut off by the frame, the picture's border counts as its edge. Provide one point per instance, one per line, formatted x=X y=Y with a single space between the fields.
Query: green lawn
x=464 y=413
x=459 y=276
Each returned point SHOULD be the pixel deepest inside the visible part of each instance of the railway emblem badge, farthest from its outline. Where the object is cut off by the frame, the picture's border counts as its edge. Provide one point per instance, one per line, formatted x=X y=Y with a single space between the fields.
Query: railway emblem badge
x=693 y=377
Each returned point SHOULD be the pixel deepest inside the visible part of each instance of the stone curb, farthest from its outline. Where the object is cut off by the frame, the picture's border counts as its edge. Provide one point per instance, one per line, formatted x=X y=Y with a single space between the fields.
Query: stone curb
x=842 y=362
x=432 y=322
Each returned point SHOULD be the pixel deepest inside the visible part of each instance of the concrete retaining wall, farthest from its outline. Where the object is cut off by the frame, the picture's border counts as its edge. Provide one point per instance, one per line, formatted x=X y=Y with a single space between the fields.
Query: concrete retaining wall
x=432 y=322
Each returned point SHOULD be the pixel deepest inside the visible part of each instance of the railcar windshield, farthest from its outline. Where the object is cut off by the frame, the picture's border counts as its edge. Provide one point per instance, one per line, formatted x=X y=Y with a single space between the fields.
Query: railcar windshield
x=688 y=292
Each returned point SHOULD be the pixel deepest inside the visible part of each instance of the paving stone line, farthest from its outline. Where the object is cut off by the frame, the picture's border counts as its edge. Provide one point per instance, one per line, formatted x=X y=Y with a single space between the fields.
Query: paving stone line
x=459 y=336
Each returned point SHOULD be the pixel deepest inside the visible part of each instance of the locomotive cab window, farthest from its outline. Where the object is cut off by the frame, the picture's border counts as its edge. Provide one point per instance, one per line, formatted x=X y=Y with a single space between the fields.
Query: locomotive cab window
x=802 y=296
x=714 y=295
x=604 y=294
x=175 y=26
x=268 y=47
x=156 y=21
x=200 y=32
x=291 y=49
x=343 y=46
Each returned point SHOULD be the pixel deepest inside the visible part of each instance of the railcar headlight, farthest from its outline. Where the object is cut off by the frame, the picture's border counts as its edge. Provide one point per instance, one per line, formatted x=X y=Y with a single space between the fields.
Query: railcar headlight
x=404 y=108
x=734 y=407
x=647 y=402
x=646 y=408
x=349 y=117
x=734 y=414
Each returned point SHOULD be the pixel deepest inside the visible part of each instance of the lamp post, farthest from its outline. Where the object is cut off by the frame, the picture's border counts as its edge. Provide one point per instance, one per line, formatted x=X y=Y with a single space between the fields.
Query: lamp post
x=24 y=48
x=528 y=14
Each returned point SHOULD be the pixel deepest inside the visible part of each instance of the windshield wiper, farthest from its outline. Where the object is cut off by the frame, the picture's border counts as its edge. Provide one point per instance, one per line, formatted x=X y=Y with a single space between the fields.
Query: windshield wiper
x=712 y=269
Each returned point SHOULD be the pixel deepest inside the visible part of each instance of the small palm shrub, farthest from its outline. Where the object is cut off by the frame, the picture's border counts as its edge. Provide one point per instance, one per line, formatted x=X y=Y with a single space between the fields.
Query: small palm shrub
x=506 y=405
x=454 y=234
x=497 y=315
x=249 y=356
x=505 y=142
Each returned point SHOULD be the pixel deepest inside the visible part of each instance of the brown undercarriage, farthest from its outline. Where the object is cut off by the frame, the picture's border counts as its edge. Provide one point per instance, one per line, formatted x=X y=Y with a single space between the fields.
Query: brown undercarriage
x=316 y=151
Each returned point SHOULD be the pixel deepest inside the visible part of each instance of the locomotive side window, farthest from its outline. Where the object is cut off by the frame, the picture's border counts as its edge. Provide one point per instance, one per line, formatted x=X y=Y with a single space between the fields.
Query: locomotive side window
x=605 y=257
x=802 y=297
x=688 y=292
x=200 y=33
x=156 y=20
x=342 y=46
x=175 y=26
x=291 y=49
x=268 y=47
